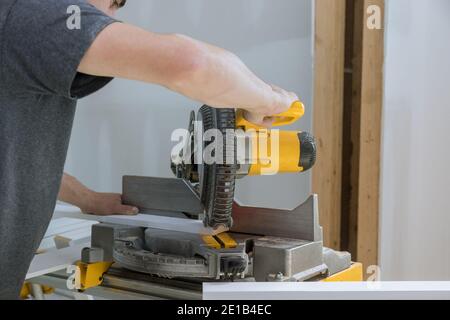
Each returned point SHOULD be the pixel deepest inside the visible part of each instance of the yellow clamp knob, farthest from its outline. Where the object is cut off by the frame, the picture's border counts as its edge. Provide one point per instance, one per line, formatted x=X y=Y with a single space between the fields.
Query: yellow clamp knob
x=296 y=111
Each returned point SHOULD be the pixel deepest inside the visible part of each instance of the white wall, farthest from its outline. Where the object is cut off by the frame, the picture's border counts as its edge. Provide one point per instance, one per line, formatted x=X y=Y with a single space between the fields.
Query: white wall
x=126 y=128
x=415 y=205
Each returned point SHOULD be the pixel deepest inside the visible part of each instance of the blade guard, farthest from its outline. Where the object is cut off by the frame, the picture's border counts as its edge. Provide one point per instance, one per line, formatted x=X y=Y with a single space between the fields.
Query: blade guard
x=289 y=117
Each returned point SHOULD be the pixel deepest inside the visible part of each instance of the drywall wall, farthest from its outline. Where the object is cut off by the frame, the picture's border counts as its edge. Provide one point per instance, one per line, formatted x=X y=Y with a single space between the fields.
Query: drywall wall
x=415 y=206
x=126 y=128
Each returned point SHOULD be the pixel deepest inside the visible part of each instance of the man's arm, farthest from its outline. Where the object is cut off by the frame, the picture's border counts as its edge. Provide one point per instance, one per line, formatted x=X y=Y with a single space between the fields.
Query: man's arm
x=195 y=69
x=74 y=192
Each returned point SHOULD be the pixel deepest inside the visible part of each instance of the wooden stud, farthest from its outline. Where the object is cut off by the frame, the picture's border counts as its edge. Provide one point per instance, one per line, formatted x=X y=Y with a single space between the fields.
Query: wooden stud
x=347 y=126
x=366 y=117
x=328 y=114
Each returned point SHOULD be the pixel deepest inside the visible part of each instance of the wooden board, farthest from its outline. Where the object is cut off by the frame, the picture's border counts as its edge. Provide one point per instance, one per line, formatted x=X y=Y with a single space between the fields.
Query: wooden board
x=328 y=114
x=347 y=122
x=72 y=230
x=143 y=220
x=347 y=126
x=68 y=233
x=366 y=119
x=163 y=223
x=54 y=260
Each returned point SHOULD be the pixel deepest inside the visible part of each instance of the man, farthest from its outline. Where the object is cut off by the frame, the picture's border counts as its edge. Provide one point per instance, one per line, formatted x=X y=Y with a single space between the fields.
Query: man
x=46 y=66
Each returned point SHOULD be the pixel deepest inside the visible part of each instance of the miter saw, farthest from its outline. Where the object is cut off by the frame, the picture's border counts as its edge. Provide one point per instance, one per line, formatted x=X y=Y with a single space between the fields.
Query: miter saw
x=222 y=146
x=244 y=243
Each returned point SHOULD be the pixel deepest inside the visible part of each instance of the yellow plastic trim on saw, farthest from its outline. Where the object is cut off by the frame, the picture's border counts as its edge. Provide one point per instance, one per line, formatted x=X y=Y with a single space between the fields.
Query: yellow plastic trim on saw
x=91 y=274
x=266 y=160
x=220 y=241
x=296 y=111
x=227 y=241
x=211 y=242
x=284 y=160
x=26 y=290
x=352 y=274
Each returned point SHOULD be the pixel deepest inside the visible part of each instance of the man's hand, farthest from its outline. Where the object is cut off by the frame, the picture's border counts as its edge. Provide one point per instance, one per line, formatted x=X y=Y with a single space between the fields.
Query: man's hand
x=74 y=192
x=263 y=115
x=104 y=204
x=195 y=69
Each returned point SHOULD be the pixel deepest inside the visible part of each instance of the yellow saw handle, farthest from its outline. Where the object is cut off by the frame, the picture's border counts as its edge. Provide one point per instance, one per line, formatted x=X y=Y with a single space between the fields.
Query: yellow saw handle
x=296 y=111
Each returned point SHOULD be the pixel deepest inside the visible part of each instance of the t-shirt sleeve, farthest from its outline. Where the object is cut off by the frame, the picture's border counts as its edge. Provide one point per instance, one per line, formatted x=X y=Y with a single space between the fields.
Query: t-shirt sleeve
x=45 y=42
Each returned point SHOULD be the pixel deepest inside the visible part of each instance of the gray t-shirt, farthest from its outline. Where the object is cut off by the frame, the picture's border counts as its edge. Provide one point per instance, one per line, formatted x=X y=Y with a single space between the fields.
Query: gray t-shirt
x=39 y=88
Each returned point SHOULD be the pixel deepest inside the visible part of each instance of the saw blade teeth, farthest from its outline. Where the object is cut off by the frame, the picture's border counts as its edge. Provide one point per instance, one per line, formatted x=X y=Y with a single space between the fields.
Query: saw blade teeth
x=219 y=179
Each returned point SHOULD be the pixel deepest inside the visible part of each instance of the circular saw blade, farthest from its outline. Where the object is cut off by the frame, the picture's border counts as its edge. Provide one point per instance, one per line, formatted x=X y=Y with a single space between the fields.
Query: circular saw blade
x=217 y=179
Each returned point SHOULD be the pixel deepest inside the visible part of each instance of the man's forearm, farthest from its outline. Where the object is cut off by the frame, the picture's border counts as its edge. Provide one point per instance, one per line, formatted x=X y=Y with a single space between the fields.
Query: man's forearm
x=220 y=79
x=74 y=192
x=195 y=69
